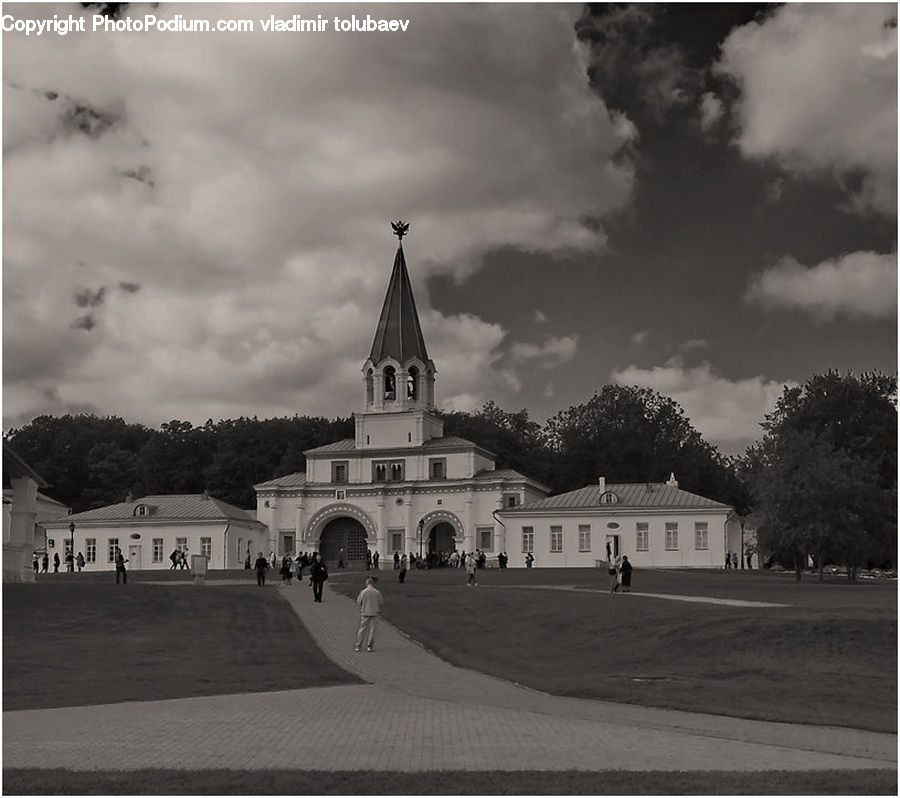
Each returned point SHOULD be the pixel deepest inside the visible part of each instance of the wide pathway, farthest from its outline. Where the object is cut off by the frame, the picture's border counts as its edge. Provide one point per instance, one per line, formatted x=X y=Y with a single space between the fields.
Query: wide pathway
x=417 y=712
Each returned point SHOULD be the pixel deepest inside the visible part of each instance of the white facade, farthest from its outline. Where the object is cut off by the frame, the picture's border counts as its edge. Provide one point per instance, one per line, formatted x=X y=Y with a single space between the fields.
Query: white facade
x=656 y=525
x=149 y=529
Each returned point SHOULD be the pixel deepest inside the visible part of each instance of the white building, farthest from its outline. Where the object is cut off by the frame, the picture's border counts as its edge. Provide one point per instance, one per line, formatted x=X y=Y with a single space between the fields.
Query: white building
x=20 y=516
x=148 y=529
x=398 y=485
x=655 y=524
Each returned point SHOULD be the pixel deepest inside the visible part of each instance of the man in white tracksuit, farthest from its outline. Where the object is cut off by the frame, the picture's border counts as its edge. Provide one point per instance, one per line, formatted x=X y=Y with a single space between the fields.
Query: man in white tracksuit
x=370 y=601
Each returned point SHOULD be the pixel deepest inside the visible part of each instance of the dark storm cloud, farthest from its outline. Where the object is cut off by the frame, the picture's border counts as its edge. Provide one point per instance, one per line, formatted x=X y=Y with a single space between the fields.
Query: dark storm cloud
x=86 y=298
x=84 y=323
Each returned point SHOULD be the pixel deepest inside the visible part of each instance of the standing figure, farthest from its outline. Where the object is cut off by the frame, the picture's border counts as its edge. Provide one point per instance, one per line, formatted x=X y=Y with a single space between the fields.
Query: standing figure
x=340 y=559
x=70 y=563
x=368 y=559
x=318 y=573
x=615 y=574
x=396 y=561
x=286 y=574
x=370 y=601
x=56 y=562
x=609 y=557
x=45 y=563
x=79 y=561
x=375 y=558
x=529 y=560
x=120 y=566
x=403 y=566
x=35 y=563
x=261 y=565
x=470 y=570
x=749 y=560
x=626 y=574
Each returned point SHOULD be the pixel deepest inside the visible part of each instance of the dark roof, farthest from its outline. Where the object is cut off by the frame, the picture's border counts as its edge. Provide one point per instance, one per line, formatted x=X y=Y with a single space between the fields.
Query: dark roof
x=639 y=494
x=399 y=334
x=295 y=480
x=177 y=507
x=345 y=445
x=349 y=445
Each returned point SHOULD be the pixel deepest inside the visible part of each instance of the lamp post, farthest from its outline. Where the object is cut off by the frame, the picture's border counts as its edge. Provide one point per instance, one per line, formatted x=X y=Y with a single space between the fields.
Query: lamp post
x=421 y=532
x=71 y=544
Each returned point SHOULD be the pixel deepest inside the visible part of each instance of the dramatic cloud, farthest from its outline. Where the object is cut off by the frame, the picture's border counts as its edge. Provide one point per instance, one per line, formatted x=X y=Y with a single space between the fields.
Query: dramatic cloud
x=551 y=352
x=244 y=183
x=725 y=411
x=818 y=93
x=858 y=285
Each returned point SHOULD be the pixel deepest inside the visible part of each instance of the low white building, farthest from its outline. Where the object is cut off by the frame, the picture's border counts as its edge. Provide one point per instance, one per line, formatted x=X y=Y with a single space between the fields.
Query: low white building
x=654 y=524
x=149 y=529
x=398 y=485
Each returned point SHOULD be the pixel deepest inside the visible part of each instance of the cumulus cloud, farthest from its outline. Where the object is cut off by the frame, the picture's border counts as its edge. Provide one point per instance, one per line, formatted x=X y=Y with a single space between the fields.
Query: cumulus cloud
x=857 y=285
x=540 y=318
x=549 y=353
x=245 y=182
x=818 y=93
x=693 y=344
x=711 y=111
x=725 y=411
x=640 y=336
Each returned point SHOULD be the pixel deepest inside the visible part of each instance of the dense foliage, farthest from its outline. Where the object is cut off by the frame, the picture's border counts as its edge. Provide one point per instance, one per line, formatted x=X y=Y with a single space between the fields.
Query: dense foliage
x=626 y=434
x=824 y=476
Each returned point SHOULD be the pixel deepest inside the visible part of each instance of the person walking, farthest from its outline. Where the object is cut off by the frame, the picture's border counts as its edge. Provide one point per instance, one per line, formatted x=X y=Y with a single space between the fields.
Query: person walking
x=470 y=569
x=56 y=562
x=79 y=561
x=286 y=574
x=370 y=601
x=318 y=574
x=368 y=559
x=626 y=574
x=340 y=564
x=36 y=564
x=70 y=563
x=375 y=558
x=120 y=566
x=396 y=561
x=261 y=565
x=529 y=560
x=404 y=564
x=615 y=574
x=45 y=563
x=174 y=557
x=183 y=560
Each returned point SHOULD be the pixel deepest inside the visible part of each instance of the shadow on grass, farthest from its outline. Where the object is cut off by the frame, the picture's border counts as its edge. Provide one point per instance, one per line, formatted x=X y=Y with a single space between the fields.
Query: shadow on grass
x=568 y=782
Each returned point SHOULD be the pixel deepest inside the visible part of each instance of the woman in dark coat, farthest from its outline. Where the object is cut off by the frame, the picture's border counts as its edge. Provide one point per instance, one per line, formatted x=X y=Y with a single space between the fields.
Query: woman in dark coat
x=626 y=575
x=318 y=572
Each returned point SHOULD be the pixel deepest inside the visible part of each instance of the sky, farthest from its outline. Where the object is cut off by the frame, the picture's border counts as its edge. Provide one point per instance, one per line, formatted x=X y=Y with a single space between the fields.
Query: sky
x=697 y=199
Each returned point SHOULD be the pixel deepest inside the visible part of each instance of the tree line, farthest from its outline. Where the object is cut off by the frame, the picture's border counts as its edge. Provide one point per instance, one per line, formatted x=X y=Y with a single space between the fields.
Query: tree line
x=821 y=482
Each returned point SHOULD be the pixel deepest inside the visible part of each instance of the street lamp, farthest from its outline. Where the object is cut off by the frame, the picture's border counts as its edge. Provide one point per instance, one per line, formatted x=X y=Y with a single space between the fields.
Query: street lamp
x=421 y=532
x=71 y=544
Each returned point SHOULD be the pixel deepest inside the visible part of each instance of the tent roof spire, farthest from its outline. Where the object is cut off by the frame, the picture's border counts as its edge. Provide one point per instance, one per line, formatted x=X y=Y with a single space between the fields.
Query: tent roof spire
x=399 y=334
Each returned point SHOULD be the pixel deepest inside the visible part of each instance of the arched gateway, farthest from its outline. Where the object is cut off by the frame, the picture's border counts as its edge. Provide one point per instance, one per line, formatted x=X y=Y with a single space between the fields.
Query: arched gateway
x=343 y=533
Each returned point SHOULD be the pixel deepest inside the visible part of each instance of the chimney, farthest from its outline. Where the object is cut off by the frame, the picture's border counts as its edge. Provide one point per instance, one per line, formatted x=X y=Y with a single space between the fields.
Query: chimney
x=129 y=498
x=672 y=483
x=602 y=482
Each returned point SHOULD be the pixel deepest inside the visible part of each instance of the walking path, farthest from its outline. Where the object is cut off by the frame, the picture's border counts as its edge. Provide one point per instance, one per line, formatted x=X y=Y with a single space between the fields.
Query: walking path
x=417 y=713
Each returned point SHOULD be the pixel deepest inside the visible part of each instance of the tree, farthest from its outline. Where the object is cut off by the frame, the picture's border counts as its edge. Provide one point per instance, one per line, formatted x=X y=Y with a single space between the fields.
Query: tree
x=824 y=475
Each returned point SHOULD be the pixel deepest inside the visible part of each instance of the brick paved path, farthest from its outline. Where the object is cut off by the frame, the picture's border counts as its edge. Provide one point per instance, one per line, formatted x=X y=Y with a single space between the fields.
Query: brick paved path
x=418 y=713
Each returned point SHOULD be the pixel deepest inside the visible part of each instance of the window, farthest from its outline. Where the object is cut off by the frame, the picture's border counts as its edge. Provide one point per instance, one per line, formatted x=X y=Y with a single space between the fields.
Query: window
x=642 y=535
x=510 y=500
x=527 y=538
x=701 y=535
x=181 y=544
x=437 y=468
x=396 y=536
x=206 y=547
x=412 y=383
x=608 y=498
x=584 y=537
x=339 y=471
x=397 y=471
x=111 y=545
x=140 y=510
x=556 y=538
x=671 y=536
x=157 y=549
x=90 y=549
x=390 y=383
x=379 y=472
x=485 y=536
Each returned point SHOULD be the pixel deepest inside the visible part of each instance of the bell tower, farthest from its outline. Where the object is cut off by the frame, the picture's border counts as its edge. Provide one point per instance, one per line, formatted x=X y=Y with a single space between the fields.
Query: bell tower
x=398 y=375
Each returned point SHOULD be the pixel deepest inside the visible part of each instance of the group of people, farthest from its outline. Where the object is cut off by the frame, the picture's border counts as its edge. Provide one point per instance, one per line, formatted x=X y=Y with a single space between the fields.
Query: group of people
x=42 y=564
x=732 y=561
x=619 y=571
x=179 y=558
x=318 y=570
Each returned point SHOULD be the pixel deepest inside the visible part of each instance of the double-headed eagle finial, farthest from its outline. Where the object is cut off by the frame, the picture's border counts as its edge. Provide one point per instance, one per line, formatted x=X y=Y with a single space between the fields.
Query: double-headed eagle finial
x=401 y=228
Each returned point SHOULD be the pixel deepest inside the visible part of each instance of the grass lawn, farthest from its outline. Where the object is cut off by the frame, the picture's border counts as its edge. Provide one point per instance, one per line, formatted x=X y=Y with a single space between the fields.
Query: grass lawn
x=299 y=782
x=830 y=658
x=77 y=641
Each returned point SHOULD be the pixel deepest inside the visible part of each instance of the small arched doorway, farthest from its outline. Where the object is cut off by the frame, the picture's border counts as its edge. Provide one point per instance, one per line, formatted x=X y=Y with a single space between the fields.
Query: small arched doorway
x=343 y=533
x=440 y=538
